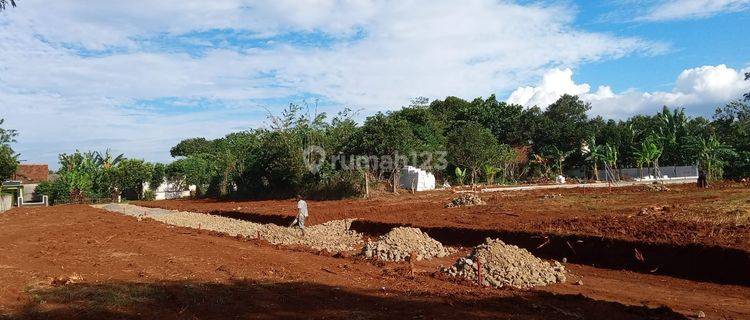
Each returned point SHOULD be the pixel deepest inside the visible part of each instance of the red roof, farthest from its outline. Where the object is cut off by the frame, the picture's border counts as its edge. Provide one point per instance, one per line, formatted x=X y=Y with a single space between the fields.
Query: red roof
x=31 y=173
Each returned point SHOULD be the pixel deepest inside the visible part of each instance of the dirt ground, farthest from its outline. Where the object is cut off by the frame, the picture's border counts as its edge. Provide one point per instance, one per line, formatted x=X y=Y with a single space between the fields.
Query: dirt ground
x=76 y=261
x=79 y=262
x=684 y=214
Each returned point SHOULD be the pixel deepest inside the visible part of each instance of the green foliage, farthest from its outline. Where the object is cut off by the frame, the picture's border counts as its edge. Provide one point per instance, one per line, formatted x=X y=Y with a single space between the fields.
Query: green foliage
x=649 y=153
x=193 y=170
x=130 y=174
x=471 y=145
x=711 y=155
x=191 y=147
x=8 y=162
x=489 y=173
x=460 y=176
x=8 y=158
x=149 y=195
x=158 y=174
x=480 y=136
x=56 y=191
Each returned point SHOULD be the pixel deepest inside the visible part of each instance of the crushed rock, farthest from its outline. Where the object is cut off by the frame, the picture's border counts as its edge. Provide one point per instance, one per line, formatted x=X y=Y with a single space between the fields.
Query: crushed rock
x=506 y=265
x=333 y=236
x=401 y=242
x=465 y=200
x=656 y=188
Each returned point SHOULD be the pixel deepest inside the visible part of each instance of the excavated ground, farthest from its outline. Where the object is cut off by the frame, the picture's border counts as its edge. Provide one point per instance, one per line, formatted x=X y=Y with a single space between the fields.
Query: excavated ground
x=680 y=231
x=80 y=262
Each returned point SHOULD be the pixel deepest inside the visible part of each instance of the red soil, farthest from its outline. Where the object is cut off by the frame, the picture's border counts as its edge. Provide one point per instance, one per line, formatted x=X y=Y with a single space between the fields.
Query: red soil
x=683 y=215
x=123 y=268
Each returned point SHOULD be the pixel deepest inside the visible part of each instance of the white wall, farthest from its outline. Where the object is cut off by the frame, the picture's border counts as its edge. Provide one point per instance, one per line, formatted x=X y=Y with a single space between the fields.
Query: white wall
x=170 y=190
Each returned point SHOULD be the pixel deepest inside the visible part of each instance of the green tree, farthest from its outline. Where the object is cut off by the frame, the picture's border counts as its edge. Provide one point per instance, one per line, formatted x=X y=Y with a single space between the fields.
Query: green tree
x=192 y=146
x=594 y=155
x=130 y=175
x=472 y=146
x=158 y=174
x=711 y=155
x=672 y=128
x=650 y=152
x=192 y=170
x=610 y=158
x=390 y=138
x=8 y=158
x=564 y=124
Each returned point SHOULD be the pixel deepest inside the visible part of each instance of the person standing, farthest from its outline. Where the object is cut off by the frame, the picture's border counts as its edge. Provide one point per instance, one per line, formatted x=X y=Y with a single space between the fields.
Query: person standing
x=301 y=214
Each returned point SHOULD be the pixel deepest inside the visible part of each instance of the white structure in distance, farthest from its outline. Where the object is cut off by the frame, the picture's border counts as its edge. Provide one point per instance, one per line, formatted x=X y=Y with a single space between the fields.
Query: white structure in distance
x=171 y=190
x=416 y=179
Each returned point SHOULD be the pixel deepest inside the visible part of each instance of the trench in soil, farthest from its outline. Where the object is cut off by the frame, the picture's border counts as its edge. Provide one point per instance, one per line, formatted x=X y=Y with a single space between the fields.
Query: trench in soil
x=691 y=261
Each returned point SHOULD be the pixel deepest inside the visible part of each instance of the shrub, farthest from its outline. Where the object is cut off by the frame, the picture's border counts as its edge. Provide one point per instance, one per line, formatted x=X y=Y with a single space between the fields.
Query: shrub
x=56 y=191
x=149 y=195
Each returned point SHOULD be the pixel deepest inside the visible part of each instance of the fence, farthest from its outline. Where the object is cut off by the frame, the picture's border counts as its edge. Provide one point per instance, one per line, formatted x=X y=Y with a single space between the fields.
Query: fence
x=674 y=172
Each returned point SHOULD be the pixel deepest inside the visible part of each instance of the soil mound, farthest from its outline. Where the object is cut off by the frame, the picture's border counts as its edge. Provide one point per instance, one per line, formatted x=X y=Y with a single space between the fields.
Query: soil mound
x=465 y=200
x=506 y=265
x=400 y=243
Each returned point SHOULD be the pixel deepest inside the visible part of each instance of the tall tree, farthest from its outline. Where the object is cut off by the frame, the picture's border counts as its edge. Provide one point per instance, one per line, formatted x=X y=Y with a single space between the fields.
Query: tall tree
x=711 y=154
x=564 y=124
x=8 y=158
x=472 y=146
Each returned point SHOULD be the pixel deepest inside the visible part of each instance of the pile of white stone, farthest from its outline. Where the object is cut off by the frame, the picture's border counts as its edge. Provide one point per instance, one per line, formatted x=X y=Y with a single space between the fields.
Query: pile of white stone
x=401 y=243
x=506 y=265
x=332 y=236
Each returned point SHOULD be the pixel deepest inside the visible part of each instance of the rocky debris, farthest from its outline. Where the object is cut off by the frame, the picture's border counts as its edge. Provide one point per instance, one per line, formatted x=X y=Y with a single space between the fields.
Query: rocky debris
x=332 y=236
x=700 y=314
x=652 y=210
x=465 y=200
x=656 y=187
x=552 y=196
x=400 y=243
x=63 y=280
x=506 y=265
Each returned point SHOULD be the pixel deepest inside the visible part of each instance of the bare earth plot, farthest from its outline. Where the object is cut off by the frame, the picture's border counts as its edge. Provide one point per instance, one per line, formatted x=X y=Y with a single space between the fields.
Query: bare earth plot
x=80 y=262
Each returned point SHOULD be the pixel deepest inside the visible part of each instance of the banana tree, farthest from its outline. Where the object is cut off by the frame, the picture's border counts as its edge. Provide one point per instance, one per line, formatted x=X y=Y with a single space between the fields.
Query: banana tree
x=490 y=172
x=594 y=154
x=650 y=153
x=610 y=157
x=710 y=154
x=460 y=175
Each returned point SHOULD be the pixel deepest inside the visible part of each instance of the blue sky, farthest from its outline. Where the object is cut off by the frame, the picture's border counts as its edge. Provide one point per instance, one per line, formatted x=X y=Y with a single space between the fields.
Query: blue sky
x=140 y=76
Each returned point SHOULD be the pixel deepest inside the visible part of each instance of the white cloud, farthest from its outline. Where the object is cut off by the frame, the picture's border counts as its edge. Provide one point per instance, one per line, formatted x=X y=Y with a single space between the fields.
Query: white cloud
x=699 y=90
x=382 y=53
x=690 y=9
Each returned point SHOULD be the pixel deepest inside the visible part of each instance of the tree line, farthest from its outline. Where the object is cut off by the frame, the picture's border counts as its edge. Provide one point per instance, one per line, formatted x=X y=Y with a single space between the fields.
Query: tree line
x=483 y=140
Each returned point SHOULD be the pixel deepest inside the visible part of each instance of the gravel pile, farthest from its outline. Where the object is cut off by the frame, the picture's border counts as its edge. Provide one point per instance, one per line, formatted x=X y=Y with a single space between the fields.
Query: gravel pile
x=332 y=236
x=656 y=187
x=401 y=242
x=465 y=200
x=506 y=265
